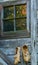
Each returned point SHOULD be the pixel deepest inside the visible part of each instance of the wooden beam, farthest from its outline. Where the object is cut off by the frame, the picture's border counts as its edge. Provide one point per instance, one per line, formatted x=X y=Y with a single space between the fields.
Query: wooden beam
x=33 y=32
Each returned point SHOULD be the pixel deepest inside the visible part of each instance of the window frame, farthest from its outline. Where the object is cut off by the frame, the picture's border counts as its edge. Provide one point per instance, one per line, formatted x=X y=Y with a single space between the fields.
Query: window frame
x=28 y=19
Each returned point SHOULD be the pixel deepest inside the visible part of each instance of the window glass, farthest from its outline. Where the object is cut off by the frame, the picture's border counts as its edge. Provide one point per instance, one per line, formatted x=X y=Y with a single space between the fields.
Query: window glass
x=15 y=18
x=21 y=24
x=9 y=12
x=8 y=25
x=21 y=11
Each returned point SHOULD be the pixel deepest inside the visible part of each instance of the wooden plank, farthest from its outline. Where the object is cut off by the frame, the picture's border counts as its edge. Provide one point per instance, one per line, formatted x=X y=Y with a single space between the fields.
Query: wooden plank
x=33 y=32
x=5 y=58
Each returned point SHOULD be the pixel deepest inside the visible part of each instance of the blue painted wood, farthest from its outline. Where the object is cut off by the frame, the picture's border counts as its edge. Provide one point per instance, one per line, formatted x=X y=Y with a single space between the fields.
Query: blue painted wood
x=37 y=17
x=8 y=46
x=33 y=32
x=28 y=17
x=2 y=62
x=2 y=21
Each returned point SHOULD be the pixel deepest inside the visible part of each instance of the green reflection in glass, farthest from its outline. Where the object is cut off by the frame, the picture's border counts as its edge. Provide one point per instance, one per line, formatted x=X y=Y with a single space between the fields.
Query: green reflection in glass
x=9 y=12
x=21 y=24
x=8 y=25
x=21 y=11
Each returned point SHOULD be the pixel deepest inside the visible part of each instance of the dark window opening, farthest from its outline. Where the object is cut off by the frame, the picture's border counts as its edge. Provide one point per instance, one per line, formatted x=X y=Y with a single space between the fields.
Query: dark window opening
x=15 y=18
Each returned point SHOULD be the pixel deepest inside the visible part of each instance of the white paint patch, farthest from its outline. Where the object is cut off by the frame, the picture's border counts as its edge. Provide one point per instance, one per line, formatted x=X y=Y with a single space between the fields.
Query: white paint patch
x=2 y=62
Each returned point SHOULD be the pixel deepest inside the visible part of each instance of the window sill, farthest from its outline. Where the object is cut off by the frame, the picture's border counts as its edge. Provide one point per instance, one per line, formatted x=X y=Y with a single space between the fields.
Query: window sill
x=16 y=35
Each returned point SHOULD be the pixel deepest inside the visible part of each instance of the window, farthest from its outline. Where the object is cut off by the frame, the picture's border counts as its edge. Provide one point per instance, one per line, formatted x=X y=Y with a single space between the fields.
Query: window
x=15 y=20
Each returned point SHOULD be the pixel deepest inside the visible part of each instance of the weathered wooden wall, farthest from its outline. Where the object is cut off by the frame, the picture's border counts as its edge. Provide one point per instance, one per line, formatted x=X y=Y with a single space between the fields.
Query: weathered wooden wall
x=8 y=46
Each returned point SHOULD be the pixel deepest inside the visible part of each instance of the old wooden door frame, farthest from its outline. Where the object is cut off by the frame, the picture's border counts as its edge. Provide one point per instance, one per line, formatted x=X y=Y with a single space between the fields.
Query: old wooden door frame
x=33 y=32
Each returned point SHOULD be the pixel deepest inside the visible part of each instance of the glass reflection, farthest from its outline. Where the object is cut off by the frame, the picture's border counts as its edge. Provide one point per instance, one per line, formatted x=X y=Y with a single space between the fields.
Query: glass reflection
x=8 y=25
x=21 y=24
x=9 y=12
x=21 y=11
